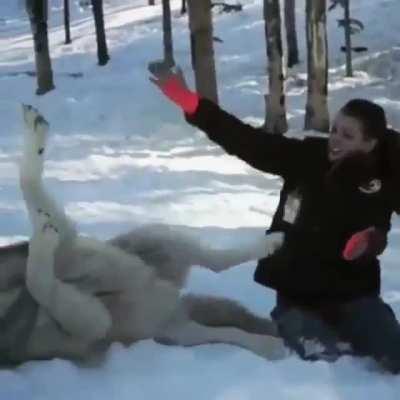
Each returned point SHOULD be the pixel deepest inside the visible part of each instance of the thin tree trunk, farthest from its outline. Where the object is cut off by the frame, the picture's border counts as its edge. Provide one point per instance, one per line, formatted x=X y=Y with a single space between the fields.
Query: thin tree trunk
x=291 y=34
x=183 y=7
x=66 y=22
x=102 y=52
x=37 y=11
x=167 y=34
x=192 y=51
x=201 y=31
x=347 y=33
x=275 y=115
x=317 y=116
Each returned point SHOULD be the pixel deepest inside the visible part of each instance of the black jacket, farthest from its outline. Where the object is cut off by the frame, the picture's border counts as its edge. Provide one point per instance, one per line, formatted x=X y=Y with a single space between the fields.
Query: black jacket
x=330 y=204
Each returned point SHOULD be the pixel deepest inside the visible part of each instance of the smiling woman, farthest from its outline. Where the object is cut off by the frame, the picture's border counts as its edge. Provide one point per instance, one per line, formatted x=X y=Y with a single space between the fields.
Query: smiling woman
x=358 y=126
x=335 y=210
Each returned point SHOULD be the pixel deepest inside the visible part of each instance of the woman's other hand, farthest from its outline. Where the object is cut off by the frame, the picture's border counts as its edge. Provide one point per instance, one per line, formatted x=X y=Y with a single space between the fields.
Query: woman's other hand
x=368 y=242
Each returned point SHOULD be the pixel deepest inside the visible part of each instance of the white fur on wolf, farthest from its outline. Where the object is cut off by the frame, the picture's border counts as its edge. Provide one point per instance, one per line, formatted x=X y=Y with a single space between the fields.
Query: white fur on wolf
x=125 y=289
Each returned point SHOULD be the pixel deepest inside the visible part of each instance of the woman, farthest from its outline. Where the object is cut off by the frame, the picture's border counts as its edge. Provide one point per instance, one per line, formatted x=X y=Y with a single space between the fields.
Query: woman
x=335 y=209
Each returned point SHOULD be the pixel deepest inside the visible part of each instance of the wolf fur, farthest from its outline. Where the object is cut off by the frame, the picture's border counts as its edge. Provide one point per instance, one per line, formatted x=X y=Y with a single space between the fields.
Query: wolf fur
x=64 y=295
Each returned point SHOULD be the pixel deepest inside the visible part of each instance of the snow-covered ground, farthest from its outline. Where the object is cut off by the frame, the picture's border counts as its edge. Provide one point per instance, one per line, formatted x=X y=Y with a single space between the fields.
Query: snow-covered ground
x=121 y=156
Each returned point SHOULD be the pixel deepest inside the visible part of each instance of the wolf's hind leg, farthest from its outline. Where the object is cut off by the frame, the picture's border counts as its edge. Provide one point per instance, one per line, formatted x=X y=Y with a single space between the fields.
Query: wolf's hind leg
x=31 y=168
x=220 y=311
x=191 y=333
x=79 y=314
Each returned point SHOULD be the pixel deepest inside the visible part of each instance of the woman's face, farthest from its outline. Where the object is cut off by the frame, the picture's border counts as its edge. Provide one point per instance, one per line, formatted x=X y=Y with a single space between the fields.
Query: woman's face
x=347 y=137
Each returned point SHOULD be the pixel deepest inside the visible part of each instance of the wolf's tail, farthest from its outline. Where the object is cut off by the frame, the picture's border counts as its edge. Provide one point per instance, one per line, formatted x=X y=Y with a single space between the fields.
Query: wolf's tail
x=16 y=326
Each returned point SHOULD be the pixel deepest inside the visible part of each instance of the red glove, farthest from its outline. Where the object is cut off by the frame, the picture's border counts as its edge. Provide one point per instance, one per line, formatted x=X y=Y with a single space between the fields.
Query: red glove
x=369 y=242
x=175 y=89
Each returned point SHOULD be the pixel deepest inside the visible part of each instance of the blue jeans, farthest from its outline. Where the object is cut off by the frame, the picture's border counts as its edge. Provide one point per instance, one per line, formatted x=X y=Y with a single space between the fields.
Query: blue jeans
x=367 y=324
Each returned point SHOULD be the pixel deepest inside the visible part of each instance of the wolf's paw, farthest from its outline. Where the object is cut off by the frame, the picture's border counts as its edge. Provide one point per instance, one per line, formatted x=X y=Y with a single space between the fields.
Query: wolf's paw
x=37 y=125
x=271 y=348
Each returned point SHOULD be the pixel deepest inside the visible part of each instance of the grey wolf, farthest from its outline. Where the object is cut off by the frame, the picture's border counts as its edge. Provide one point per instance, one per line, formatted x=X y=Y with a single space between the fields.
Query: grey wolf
x=65 y=295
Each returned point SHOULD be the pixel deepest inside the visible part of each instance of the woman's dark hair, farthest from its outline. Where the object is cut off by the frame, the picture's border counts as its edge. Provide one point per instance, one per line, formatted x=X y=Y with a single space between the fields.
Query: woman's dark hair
x=371 y=116
x=373 y=120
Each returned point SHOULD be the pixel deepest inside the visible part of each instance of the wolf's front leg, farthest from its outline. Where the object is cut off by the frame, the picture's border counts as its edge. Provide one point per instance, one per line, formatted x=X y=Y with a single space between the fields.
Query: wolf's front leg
x=31 y=168
x=221 y=259
x=79 y=314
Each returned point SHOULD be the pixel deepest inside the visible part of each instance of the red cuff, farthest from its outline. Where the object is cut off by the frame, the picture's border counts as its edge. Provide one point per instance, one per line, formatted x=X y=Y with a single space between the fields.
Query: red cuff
x=176 y=91
x=369 y=242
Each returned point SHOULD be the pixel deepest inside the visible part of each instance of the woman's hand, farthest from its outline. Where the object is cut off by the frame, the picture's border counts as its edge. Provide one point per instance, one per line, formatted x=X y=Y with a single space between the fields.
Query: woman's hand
x=162 y=74
x=172 y=83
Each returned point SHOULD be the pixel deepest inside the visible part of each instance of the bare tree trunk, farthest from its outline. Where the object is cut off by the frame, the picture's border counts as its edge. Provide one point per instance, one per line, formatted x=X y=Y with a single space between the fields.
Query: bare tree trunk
x=152 y=2
x=183 y=7
x=167 y=34
x=291 y=34
x=66 y=22
x=37 y=11
x=347 y=33
x=102 y=52
x=275 y=115
x=201 y=31
x=317 y=116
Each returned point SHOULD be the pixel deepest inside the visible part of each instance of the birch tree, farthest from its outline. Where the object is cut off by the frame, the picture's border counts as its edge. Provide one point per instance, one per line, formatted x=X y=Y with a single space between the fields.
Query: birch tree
x=38 y=12
x=183 y=7
x=201 y=34
x=317 y=116
x=275 y=113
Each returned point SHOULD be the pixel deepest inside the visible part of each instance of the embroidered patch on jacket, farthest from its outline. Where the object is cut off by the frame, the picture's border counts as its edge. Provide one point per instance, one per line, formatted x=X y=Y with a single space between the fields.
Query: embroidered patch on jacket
x=373 y=186
x=292 y=207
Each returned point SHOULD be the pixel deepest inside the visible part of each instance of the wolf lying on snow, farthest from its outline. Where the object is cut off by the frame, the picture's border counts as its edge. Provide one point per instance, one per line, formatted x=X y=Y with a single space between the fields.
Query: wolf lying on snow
x=67 y=296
